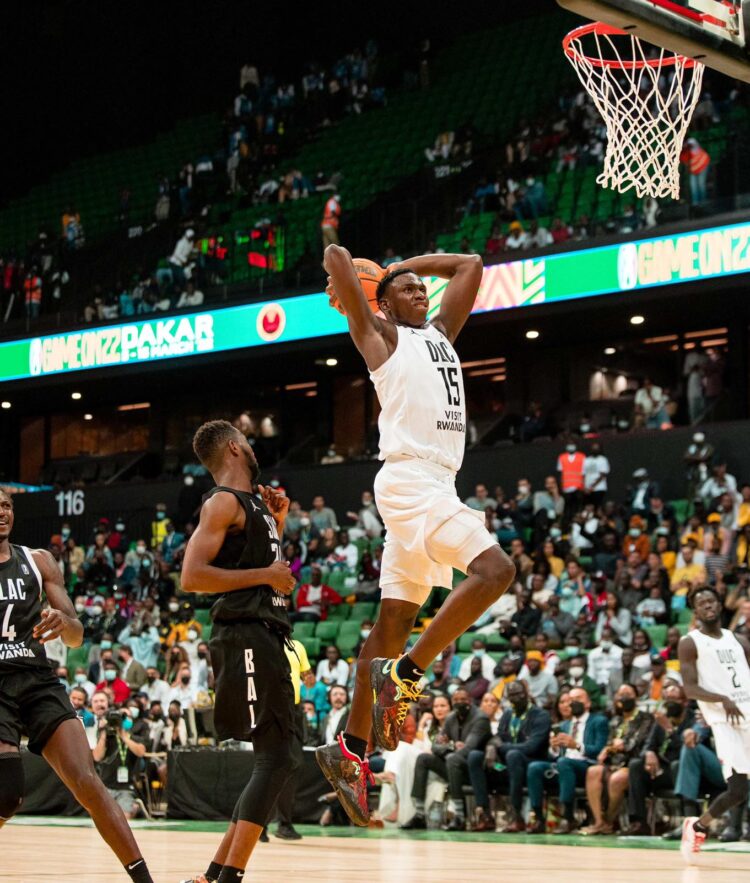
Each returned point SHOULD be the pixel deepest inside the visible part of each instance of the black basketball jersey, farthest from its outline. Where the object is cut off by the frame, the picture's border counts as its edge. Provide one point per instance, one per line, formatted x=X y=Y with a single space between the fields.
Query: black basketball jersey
x=20 y=611
x=257 y=546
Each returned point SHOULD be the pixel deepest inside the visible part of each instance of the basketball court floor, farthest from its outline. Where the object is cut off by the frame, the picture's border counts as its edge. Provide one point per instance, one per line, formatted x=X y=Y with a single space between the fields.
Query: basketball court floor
x=40 y=850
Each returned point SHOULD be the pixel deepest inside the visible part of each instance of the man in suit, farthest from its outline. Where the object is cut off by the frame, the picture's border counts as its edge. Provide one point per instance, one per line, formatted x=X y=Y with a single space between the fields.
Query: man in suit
x=522 y=735
x=335 y=721
x=132 y=672
x=574 y=747
x=576 y=677
x=657 y=767
x=466 y=729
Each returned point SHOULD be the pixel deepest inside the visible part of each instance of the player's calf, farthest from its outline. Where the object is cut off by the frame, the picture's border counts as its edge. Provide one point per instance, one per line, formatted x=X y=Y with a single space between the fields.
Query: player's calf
x=11 y=785
x=496 y=572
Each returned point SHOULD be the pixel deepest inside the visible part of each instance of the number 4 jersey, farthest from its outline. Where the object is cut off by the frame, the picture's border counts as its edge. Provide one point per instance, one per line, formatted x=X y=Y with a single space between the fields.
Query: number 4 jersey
x=20 y=611
x=723 y=669
x=421 y=393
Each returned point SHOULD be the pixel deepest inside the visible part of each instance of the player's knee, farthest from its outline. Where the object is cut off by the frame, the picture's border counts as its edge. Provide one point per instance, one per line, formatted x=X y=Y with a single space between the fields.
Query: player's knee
x=496 y=571
x=396 y=618
x=88 y=788
x=11 y=785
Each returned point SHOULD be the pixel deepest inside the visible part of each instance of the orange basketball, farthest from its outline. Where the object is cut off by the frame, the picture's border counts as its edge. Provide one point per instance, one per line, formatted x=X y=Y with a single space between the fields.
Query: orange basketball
x=369 y=274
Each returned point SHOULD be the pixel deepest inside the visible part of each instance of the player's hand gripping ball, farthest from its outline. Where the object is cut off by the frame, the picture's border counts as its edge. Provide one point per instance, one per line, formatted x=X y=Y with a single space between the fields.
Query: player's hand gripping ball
x=369 y=274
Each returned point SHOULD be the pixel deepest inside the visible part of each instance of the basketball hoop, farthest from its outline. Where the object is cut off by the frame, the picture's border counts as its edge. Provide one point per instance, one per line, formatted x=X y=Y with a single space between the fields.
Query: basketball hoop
x=647 y=104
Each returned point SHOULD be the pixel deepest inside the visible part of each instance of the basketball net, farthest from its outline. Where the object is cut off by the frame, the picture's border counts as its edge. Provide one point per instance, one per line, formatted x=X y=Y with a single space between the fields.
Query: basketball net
x=646 y=96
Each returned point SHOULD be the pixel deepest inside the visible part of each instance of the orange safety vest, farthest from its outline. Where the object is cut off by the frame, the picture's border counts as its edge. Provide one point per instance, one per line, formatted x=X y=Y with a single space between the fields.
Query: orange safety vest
x=331 y=214
x=697 y=160
x=571 y=467
x=33 y=289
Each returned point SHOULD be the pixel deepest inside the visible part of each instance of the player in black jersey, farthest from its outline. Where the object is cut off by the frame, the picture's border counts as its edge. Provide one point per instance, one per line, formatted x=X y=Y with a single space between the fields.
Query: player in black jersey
x=34 y=703
x=235 y=554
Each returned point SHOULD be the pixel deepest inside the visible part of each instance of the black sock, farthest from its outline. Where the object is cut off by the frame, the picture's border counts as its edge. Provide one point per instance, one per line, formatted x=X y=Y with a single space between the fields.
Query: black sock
x=701 y=829
x=569 y=813
x=214 y=872
x=355 y=745
x=406 y=669
x=691 y=808
x=138 y=872
x=231 y=875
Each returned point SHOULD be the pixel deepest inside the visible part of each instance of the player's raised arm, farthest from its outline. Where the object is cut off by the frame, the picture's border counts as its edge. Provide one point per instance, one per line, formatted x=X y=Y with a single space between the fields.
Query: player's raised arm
x=465 y=274
x=59 y=619
x=218 y=514
x=364 y=327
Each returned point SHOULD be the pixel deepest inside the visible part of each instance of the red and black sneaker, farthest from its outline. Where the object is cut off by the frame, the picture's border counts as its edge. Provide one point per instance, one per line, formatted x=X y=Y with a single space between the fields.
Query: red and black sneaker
x=348 y=775
x=391 y=697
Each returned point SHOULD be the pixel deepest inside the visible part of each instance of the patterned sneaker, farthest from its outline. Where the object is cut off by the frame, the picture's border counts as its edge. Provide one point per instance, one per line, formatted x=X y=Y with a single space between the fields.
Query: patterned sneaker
x=692 y=840
x=349 y=777
x=391 y=699
x=199 y=878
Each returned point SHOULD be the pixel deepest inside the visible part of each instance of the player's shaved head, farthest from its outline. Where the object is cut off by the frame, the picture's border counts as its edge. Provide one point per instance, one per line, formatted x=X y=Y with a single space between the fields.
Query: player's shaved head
x=211 y=439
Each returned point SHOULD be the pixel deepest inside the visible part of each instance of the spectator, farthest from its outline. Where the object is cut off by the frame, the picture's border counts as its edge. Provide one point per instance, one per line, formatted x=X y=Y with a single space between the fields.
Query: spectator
x=528 y=616
x=556 y=624
x=576 y=677
x=331 y=456
x=522 y=737
x=316 y=692
x=79 y=699
x=333 y=669
x=155 y=688
x=538 y=237
x=520 y=559
x=495 y=243
x=650 y=405
x=640 y=495
x=184 y=691
x=476 y=684
x=542 y=686
x=605 y=658
x=191 y=296
x=390 y=258
x=32 y=287
x=180 y=260
x=481 y=499
x=713 y=379
x=346 y=553
x=335 y=721
x=314 y=598
x=628 y=732
x=636 y=541
x=655 y=768
x=132 y=672
x=478 y=651
x=596 y=470
x=697 y=160
x=721 y=482
x=466 y=728
x=112 y=681
x=117 y=747
x=322 y=516
x=574 y=746
x=517 y=237
x=329 y=225
x=368 y=523
x=687 y=577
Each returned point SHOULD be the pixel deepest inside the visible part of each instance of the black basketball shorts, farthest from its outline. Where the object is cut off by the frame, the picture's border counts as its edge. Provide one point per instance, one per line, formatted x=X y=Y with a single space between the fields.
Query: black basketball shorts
x=32 y=703
x=254 y=692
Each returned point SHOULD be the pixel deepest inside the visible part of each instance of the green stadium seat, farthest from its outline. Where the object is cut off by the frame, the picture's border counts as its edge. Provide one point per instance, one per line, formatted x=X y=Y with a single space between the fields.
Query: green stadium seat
x=76 y=657
x=339 y=612
x=327 y=631
x=303 y=630
x=685 y=616
x=347 y=645
x=203 y=615
x=312 y=648
x=463 y=644
x=207 y=630
x=681 y=509
x=658 y=634
x=363 y=610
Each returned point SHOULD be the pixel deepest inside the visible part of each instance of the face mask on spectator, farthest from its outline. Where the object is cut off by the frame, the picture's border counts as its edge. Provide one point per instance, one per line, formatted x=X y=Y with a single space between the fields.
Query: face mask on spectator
x=364 y=633
x=673 y=708
x=202 y=654
x=134 y=712
x=519 y=704
x=110 y=675
x=479 y=653
x=452 y=689
x=160 y=516
x=106 y=645
x=192 y=634
x=120 y=526
x=634 y=532
x=80 y=608
x=571 y=449
x=605 y=645
x=461 y=709
x=577 y=708
x=304 y=521
x=576 y=671
x=119 y=596
x=567 y=592
x=174 y=715
x=91 y=592
x=80 y=678
x=627 y=704
x=140 y=549
x=96 y=610
x=65 y=533
x=310 y=716
x=185 y=679
x=174 y=607
x=63 y=681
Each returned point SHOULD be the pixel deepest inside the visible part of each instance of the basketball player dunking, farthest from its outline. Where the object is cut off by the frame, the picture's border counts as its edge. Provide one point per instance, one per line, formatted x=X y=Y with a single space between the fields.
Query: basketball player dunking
x=235 y=554
x=34 y=702
x=715 y=671
x=417 y=376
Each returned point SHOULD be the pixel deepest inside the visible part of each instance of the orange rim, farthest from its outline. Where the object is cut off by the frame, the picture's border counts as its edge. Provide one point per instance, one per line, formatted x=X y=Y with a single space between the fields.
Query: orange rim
x=600 y=29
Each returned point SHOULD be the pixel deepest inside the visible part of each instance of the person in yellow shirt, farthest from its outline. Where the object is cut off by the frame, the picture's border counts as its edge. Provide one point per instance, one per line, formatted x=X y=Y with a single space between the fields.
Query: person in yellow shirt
x=686 y=578
x=743 y=512
x=556 y=564
x=742 y=552
x=668 y=557
x=508 y=675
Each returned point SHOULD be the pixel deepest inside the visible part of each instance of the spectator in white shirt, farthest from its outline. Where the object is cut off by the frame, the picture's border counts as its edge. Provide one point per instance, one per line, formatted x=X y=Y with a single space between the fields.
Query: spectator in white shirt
x=190 y=297
x=721 y=482
x=155 y=688
x=332 y=669
x=650 y=405
x=538 y=237
x=595 y=472
x=604 y=659
x=179 y=261
x=478 y=651
x=346 y=552
x=517 y=236
x=184 y=691
x=368 y=523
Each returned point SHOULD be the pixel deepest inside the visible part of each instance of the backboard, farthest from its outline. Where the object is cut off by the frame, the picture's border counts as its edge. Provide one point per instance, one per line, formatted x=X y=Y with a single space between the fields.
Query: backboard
x=709 y=31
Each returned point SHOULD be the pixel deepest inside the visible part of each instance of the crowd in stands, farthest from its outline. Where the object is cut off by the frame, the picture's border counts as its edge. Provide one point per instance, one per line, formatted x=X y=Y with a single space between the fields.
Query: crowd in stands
x=570 y=681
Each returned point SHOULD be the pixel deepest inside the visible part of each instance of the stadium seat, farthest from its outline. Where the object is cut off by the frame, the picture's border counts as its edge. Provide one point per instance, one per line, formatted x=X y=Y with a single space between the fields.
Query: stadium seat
x=327 y=631
x=685 y=616
x=658 y=634
x=303 y=630
x=363 y=610
x=77 y=656
x=339 y=612
x=312 y=648
x=681 y=509
x=203 y=615
x=463 y=645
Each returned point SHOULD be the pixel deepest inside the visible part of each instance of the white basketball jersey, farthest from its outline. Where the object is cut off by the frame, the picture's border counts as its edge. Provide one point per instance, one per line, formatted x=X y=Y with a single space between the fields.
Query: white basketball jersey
x=421 y=393
x=722 y=668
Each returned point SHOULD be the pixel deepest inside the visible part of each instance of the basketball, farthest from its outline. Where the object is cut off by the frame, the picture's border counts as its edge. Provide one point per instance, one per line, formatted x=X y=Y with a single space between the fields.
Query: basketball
x=369 y=274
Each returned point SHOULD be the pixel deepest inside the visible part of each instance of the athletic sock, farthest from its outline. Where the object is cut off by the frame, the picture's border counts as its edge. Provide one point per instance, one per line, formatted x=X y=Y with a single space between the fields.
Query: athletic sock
x=406 y=669
x=701 y=829
x=214 y=872
x=231 y=875
x=355 y=745
x=691 y=808
x=138 y=872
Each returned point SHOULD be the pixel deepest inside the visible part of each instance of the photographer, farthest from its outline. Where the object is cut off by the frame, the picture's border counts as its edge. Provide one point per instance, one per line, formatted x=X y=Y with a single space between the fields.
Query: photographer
x=117 y=754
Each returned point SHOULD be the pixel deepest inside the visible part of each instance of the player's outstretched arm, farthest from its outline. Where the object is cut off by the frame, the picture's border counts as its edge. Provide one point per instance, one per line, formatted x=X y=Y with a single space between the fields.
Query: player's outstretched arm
x=218 y=514
x=365 y=328
x=465 y=274
x=59 y=620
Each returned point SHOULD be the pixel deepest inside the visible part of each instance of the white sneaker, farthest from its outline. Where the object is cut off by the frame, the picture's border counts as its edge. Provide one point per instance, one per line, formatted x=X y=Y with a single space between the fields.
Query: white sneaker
x=692 y=840
x=200 y=878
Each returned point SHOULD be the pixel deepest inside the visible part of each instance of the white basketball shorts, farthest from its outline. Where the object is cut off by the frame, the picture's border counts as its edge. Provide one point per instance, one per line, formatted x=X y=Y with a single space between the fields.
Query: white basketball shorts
x=732 y=747
x=429 y=530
